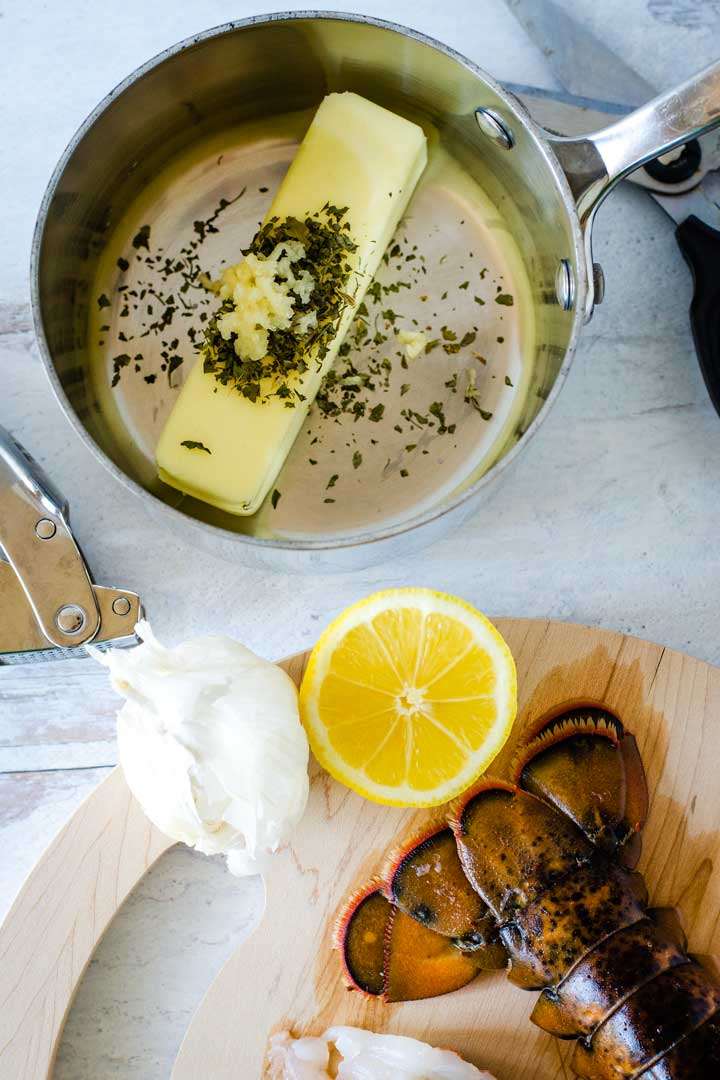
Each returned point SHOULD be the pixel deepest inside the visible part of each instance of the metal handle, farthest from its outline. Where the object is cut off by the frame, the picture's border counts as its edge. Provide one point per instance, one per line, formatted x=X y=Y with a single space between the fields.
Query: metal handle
x=594 y=163
x=36 y=538
x=24 y=468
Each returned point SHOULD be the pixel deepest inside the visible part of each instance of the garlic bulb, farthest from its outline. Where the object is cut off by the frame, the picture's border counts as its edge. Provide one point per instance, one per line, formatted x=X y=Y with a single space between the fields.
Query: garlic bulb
x=211 y=744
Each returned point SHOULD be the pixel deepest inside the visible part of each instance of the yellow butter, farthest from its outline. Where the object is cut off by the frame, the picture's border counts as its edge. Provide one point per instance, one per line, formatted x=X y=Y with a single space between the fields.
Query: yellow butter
x=355 y=154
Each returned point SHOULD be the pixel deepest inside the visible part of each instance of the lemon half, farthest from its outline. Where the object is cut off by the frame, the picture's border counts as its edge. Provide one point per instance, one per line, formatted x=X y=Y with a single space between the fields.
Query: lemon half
x=408 y=696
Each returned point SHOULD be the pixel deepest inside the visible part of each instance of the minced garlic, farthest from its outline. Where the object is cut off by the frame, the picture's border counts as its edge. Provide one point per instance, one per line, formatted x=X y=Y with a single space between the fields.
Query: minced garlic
x=264 y=291
x=414 y=342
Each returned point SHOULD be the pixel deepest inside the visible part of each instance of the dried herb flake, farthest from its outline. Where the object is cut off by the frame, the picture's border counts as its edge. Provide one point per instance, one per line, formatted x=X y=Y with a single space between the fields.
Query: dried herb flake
x=194 y=444
x=141 y=239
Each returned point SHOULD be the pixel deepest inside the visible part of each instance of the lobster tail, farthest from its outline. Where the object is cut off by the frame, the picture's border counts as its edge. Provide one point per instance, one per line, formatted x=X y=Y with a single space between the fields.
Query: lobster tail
x=541 y=872
x=690 y=1058
x=610 y=973
x=658 y=1015
x=585 y=765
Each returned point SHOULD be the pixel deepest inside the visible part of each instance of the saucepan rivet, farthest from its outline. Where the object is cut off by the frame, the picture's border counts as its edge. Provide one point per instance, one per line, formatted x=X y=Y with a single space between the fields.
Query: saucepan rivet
x=70 y=618
x=121 y=605
x=565 y=285
x=493 y=125
x=598 y=283
x=45 y=529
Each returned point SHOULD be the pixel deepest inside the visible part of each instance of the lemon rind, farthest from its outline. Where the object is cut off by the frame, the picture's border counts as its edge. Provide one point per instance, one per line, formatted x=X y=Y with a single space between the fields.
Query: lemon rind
x=434 y=602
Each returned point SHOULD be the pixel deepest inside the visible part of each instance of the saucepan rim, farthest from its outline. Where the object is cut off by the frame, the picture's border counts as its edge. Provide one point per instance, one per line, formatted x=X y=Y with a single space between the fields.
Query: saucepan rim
x=358 y=540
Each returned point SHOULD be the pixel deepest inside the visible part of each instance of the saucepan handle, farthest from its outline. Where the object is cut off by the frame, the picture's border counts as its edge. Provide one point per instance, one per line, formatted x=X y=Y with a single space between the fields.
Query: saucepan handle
x=594 y=163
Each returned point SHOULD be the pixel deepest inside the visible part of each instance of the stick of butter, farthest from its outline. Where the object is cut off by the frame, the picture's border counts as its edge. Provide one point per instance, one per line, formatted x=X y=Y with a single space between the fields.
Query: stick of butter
x=284 y=315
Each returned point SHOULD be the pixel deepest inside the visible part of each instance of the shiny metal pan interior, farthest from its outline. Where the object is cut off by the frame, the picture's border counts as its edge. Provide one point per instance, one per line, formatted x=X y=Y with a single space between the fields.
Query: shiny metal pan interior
x=168 y=182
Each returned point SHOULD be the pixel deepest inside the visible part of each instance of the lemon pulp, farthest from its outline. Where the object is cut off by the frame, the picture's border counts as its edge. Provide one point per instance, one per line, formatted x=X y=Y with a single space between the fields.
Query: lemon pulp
x=408 y=696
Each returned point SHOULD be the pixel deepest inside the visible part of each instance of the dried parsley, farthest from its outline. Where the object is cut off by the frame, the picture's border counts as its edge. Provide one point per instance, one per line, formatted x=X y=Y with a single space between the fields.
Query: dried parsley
x=376 y=413
x=357 y=459
x=275 y=498
x=141 y=239
x=173 y=363
x=149 y=295
x=505 y=298
x=332 y=481
x=436 y=410
x=119 y=363
x=472 y=395
x=193 y=444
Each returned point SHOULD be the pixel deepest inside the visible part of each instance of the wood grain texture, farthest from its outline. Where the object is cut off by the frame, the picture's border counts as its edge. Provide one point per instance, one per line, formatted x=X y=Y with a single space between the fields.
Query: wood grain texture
x=62 y=911
x=287 y=973
x=59 y=916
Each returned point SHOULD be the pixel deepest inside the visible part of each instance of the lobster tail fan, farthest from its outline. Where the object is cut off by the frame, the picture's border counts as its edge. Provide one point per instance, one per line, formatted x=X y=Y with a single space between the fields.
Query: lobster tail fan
x=584 y=765
x=418 y=963
x=360 y=936
x=425 y=879
x=637 y=799
x=387 y=954
x=513 y=845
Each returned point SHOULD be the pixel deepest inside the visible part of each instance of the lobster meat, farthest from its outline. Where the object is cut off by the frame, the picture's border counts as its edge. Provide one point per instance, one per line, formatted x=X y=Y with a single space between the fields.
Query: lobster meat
x=538 y=876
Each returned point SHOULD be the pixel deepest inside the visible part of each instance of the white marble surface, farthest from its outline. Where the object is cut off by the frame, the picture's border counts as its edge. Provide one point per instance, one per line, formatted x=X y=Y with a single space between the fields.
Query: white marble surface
x=611 y=520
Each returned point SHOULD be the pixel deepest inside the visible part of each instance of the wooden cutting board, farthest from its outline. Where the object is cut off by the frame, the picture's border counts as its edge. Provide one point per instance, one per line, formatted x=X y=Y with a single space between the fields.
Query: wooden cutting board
x=286 y=974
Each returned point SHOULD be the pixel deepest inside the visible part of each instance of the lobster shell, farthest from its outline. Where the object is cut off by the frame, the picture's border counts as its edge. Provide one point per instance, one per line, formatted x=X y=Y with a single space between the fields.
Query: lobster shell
x=541 y=880
x=610 y=973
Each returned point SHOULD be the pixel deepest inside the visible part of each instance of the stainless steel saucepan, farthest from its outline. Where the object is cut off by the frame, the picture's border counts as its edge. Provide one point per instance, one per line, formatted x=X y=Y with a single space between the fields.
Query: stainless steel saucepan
x=505 y=205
